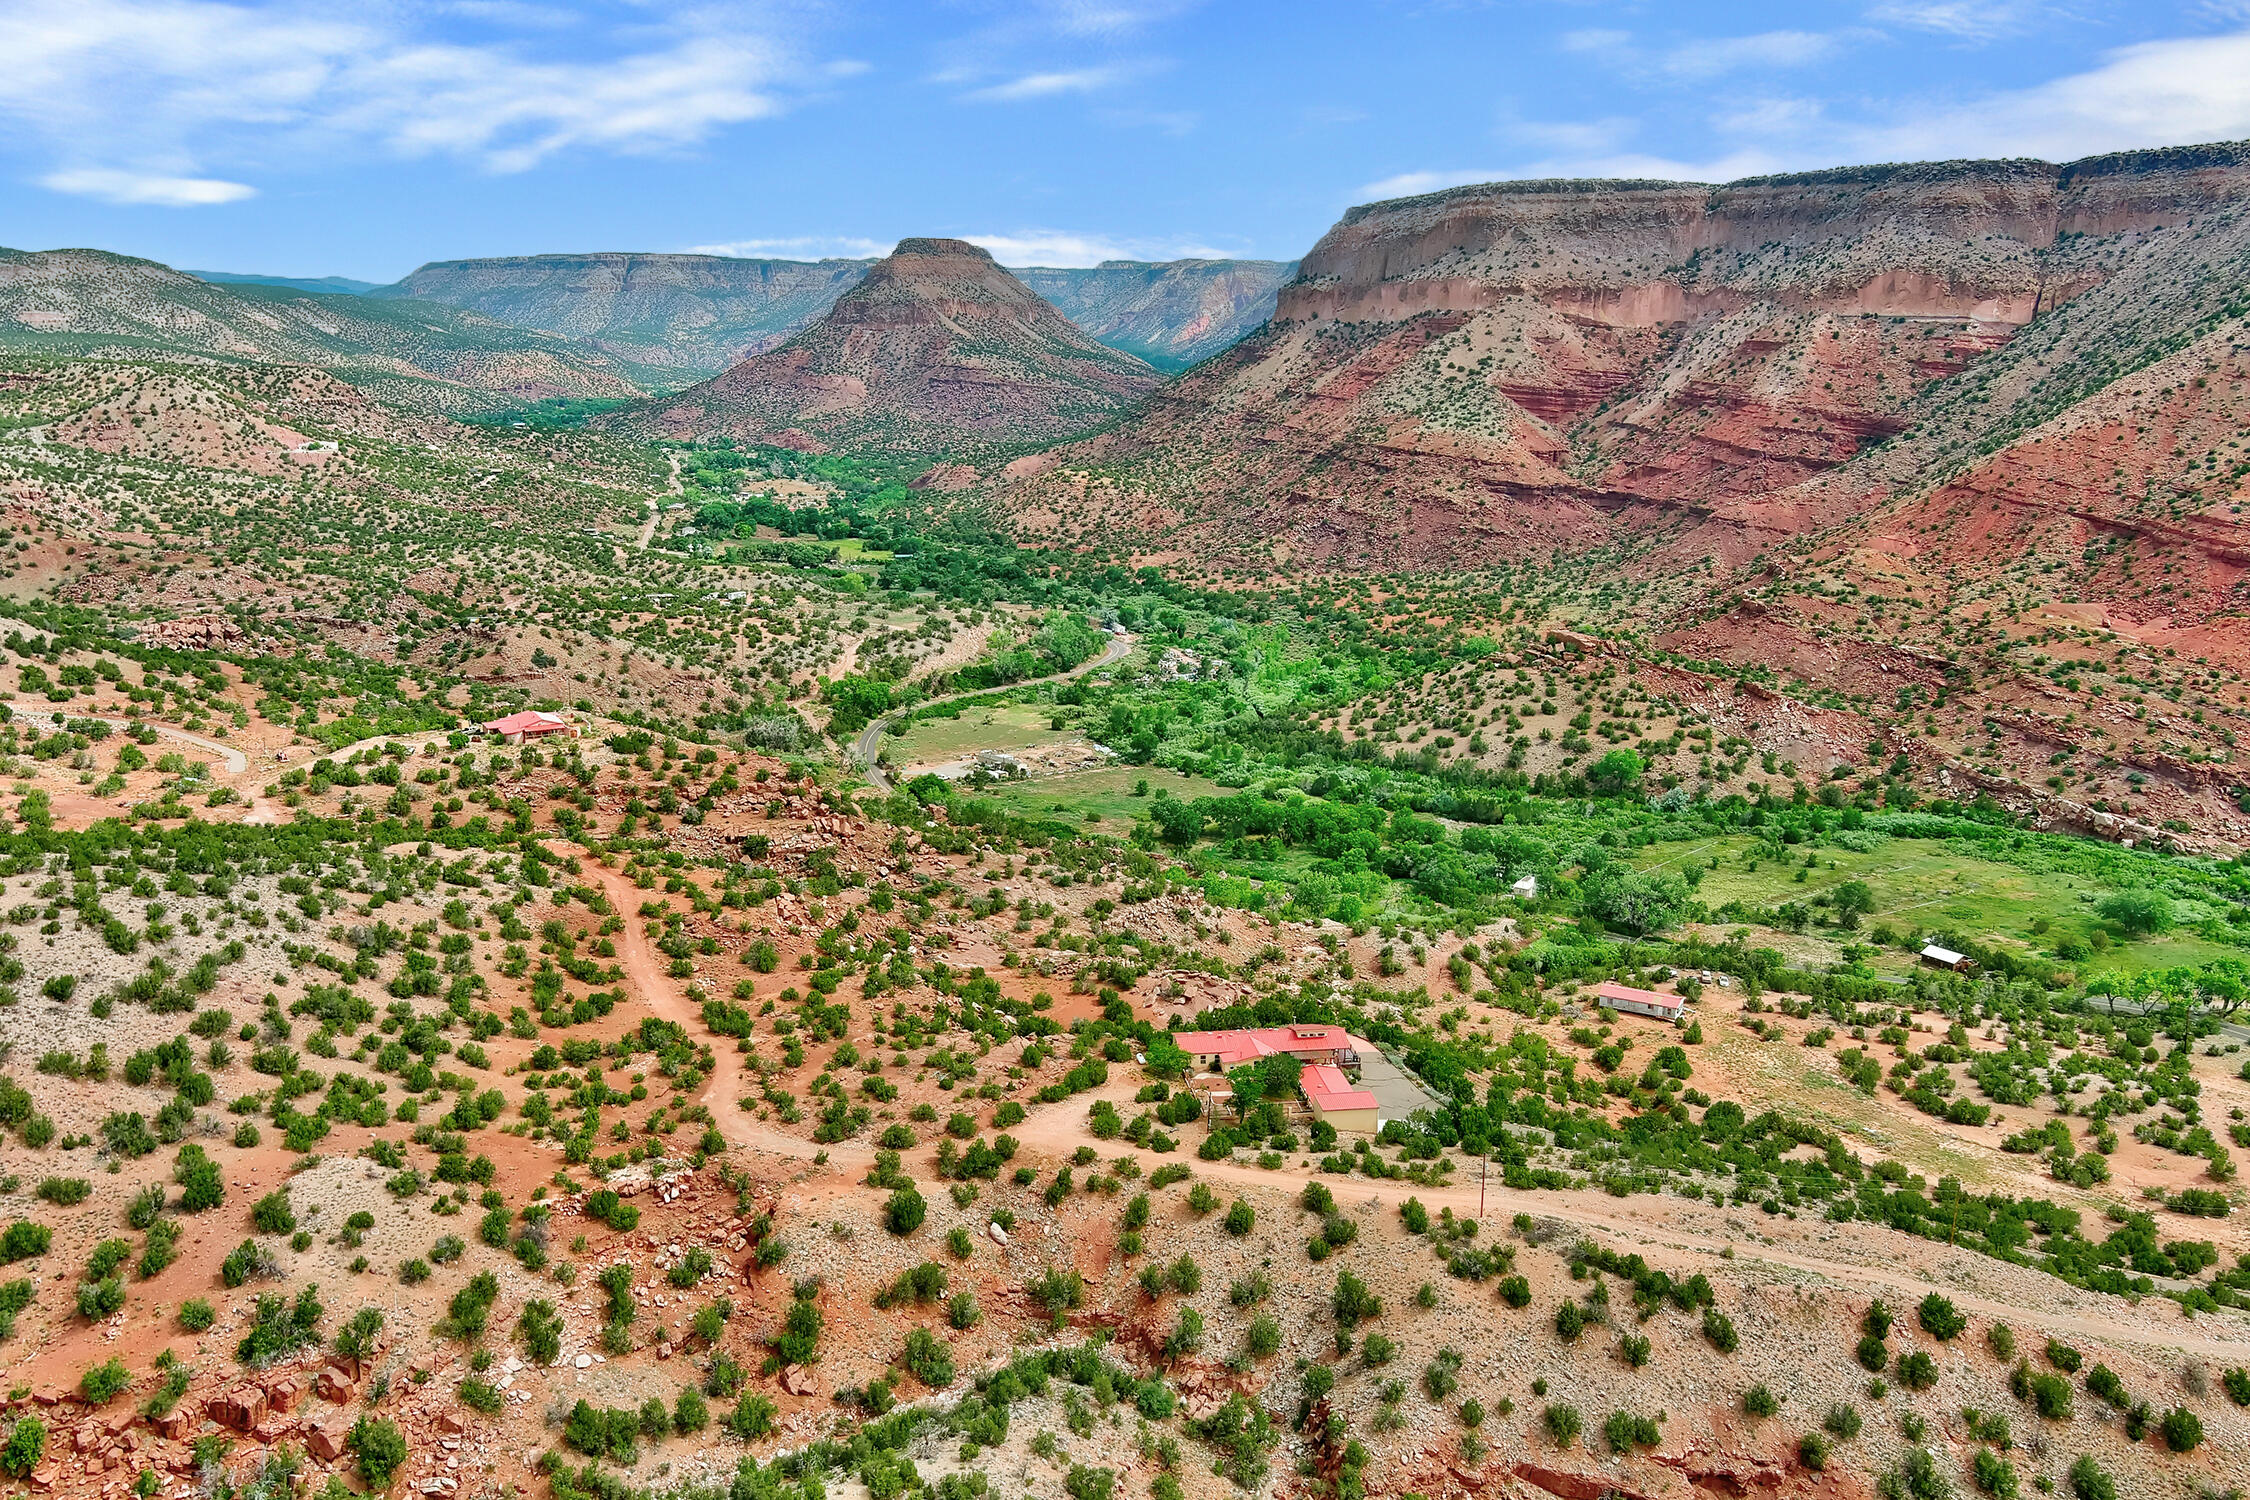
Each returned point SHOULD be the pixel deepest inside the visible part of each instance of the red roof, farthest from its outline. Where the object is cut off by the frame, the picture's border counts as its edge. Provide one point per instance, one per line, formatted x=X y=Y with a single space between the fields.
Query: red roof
x=528 y=721
x=1610 y=989
x=1327 y=1089
x=1232 y=1047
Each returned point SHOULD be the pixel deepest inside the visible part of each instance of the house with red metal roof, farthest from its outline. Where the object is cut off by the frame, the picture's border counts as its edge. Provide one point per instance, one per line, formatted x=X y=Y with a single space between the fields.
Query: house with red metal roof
x=1336 y=1099
x=1307 y=1042
x=530 y=724
x=1633 y=1002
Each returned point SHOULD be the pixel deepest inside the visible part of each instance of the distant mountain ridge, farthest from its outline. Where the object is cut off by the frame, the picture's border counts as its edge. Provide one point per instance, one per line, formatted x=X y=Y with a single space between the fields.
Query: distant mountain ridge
x=695 y=313
x=936 y=349
x=416 y=354
x=1171 y=313
x=339 y=286
x=701 y=313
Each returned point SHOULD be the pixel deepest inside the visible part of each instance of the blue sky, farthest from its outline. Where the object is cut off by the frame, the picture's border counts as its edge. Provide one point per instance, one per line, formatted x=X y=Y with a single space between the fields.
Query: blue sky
x=309 y=137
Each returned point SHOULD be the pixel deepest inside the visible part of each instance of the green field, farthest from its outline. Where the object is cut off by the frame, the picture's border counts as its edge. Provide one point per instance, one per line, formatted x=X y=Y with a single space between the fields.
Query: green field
x=1937 y=886
x=982 y=726
x=1108 y=792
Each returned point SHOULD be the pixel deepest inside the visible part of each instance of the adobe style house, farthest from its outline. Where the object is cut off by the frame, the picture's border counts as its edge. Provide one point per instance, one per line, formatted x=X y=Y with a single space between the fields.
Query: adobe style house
x=1325 y=1051
x=530 y=724
x=1217 y=1051
x=1632 y=1002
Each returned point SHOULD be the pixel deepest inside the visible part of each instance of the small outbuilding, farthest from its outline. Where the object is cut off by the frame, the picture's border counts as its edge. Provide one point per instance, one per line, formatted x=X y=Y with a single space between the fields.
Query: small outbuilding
x=1946 y=958
x=1629 y=1001
x=1527 y=888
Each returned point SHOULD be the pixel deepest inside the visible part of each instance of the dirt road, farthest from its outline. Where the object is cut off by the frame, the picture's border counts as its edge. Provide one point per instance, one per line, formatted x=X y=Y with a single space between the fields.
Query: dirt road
x=869 y=745
x=1055 y=1132
x=730 y=1081
x=236 y=761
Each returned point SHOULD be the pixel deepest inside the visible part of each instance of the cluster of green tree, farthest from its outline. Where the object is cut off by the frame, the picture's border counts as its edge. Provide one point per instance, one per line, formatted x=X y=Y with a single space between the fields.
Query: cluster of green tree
x=550 y=413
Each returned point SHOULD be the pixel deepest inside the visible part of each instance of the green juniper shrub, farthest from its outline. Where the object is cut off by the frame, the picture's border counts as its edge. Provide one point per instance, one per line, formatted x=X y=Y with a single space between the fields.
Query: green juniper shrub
x=2090 y=1481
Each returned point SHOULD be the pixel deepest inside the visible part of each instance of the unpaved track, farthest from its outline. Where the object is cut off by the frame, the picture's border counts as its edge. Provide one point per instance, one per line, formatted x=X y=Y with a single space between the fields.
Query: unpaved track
x=1059 y=1130
x=1056 y=1131
x=869 y=745
x=730 y=1081
x=236 y=761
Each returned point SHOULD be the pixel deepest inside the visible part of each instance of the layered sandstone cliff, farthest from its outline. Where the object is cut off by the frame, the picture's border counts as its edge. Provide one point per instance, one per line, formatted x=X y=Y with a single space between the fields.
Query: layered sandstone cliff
x=697 y=313
x=1493 y=370
x=938 y=349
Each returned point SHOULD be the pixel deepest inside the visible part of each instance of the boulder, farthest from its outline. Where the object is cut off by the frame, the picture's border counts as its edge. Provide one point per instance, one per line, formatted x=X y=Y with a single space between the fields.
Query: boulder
x=325 y=1440
x=240 y=1409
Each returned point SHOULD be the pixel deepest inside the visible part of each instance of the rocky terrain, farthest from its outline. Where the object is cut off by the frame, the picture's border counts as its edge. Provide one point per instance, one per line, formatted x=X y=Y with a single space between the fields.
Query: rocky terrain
x=1171 y=313
x=414 y=354
x=653 y=961
x=704 y=312
x=694 y=313
x=1491 y=370
x=936 y=350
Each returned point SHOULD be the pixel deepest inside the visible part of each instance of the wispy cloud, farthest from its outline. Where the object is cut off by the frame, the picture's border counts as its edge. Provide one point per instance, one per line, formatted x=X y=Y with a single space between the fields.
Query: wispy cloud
x=1067 y=248
x=210 y=82
x=1963 y=20
x=1588 y=137
x=798 y=247
x=2152 y=94
x=1105 y=20
x=1711 y=57
x=1699 y=58
x=2159 y=93
x=1048 y=85
x=114 y=186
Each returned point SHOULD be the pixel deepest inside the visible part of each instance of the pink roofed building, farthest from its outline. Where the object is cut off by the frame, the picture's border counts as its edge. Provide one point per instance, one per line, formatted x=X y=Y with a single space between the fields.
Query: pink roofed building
x=529 y=724
x=1651 y=1003
x=1307 y=1042
x=1336 y=1099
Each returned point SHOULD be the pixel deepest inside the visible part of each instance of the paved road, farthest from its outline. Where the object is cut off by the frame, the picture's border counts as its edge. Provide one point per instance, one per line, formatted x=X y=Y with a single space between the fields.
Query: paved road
x=869 y=746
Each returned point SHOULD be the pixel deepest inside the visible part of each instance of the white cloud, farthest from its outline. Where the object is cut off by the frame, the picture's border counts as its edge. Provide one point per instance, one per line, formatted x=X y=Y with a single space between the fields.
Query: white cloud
x=1048 y=85
x=1726 y=168
x=154 y=89
x=1065 y=248
x=1704 y=57
x=1172 y=122
x=798 y=247
x=1710 y=57
x=114 y=186
x=1105 y=19
x=1574 y=136
x=1964 y=20
x=1595 y=39
x=1769 y=119
x=2165 y=93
